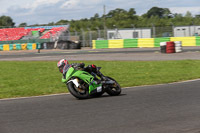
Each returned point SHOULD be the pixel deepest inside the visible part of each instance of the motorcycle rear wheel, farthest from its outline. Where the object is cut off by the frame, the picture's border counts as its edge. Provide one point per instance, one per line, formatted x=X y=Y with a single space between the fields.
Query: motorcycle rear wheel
x=113 y=90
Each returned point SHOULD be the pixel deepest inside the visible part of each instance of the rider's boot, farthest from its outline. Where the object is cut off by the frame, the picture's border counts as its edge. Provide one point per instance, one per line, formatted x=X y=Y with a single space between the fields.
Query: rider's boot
x=101 y=75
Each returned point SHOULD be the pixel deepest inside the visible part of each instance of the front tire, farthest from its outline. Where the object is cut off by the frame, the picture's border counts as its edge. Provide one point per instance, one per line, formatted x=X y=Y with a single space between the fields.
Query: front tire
x=73 y=90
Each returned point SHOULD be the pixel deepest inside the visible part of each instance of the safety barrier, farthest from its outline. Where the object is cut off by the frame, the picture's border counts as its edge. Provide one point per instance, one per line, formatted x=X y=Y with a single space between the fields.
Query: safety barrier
x=144 y=42
x=25 y=41
x=116 y=43
x=130 y=43
x=186 y=41
x=22 y=46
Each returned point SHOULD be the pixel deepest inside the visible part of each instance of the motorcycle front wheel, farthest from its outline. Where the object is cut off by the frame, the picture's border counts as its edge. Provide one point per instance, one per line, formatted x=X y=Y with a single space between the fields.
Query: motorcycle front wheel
x=77 y=92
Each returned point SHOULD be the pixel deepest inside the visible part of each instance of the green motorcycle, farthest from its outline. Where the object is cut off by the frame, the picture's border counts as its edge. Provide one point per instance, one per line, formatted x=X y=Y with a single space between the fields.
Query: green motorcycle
x=83 y=85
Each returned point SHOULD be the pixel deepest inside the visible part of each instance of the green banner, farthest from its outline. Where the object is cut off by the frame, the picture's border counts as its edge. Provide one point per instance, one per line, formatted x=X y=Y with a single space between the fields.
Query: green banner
x=29 y=46
x=101 y=44
x=197 y=41
x=158 y=40
x=1 y=47
x=130 y=43
x=11 y=46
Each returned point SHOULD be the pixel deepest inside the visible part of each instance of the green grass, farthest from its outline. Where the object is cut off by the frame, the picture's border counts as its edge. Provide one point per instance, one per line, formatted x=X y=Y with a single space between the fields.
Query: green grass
x=20 y=79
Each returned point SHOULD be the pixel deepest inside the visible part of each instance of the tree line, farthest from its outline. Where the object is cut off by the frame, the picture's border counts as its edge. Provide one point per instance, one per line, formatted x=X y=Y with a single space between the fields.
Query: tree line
x=121 y=18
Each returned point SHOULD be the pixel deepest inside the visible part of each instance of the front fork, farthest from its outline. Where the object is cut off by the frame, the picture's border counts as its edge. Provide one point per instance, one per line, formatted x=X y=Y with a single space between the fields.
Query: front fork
x=93 y=86
x=75 y=81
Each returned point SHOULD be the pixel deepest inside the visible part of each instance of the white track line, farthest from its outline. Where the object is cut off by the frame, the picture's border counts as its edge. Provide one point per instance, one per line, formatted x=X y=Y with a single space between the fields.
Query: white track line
x=179 y=82
x=18 y=98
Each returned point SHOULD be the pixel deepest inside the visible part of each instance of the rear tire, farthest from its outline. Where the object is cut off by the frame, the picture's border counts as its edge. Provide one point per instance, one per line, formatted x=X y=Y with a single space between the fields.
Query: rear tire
x=72 y=89
x=113 y=90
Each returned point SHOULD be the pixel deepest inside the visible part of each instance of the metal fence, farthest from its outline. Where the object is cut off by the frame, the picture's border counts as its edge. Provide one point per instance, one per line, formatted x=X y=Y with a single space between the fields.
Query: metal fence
x=86 y=36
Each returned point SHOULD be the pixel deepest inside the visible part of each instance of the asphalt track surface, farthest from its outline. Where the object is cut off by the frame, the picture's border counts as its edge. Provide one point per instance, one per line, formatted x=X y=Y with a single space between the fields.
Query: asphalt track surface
x=168 y=108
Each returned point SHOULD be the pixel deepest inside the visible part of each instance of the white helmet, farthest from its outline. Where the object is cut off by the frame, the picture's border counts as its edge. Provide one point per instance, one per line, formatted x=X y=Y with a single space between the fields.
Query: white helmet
x=61 y=64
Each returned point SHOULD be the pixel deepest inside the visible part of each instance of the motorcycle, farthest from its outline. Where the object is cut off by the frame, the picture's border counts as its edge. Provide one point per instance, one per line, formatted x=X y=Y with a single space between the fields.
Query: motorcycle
x=83 y=85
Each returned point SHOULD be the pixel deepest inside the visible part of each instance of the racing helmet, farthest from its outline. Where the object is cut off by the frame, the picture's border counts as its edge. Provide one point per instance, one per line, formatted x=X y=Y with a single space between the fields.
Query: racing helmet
x=61 y=64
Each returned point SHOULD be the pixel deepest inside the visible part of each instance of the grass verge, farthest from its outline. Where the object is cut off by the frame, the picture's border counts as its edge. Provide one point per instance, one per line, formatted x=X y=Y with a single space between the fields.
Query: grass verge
x=20 y=79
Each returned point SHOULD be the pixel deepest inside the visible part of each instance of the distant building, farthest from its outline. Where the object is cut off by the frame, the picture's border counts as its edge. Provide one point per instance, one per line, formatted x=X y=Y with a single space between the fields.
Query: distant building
x=129 y=33
x=183 y=31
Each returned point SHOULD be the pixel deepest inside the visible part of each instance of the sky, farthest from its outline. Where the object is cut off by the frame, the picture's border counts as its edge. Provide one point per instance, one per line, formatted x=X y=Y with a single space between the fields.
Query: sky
x=46 y=11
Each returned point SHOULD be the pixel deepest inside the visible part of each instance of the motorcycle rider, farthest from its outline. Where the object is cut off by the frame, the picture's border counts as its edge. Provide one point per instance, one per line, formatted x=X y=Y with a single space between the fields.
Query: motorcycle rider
x=63 y=66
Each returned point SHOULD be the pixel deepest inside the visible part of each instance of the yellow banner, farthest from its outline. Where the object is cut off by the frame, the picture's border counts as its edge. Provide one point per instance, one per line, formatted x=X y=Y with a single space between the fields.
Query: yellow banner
x=14 y=47
x=116 y=43
x=186 y=41
x=146 y=42
x=6 y=47
x=34 y=45
x=94 y=44
x=24 y=46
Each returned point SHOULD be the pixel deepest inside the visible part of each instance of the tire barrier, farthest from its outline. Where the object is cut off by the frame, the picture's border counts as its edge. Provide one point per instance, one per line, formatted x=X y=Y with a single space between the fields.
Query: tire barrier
x=170 y=48
x=145 y=42
x=75 y=46
x=163 y=47
x=178 y=46
x=67 y=45
x=48 y=45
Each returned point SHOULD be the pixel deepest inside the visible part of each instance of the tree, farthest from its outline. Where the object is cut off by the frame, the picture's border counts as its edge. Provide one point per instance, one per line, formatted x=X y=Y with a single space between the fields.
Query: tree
x=6 y=21
x=123 y=19
x=22 y=25
x=197 y=16
x=132 y=14
x=188 y=14
x=96 y=17
x=115 y=12
x=51 y=23
x=160 y=12
x=62 y=22
x=177 y=15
